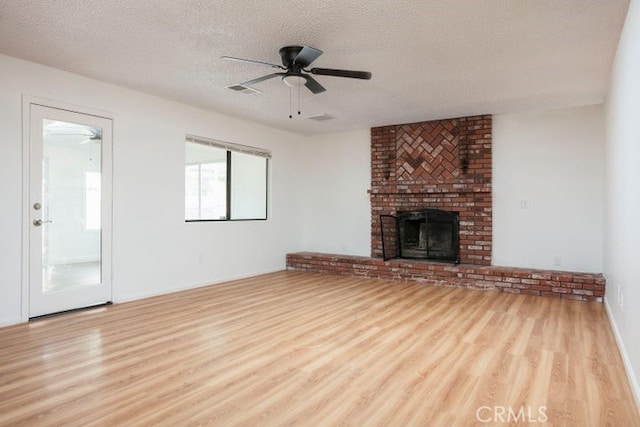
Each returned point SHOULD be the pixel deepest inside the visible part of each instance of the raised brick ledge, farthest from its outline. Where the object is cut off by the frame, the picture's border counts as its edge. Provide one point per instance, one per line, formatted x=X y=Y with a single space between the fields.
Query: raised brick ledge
x=551 y=283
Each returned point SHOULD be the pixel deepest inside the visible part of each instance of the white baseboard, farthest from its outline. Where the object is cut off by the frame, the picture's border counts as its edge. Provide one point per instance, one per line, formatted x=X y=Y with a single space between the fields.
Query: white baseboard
x=10 y=322
x=633 y=379
x=183 y=287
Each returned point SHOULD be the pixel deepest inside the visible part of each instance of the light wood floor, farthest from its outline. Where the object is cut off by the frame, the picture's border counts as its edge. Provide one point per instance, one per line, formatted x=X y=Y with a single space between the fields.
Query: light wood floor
x=295 y=348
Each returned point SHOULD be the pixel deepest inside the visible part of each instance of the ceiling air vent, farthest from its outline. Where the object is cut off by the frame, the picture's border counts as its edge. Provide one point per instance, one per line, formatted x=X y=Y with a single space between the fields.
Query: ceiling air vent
x=320 y=117
x=244 y=89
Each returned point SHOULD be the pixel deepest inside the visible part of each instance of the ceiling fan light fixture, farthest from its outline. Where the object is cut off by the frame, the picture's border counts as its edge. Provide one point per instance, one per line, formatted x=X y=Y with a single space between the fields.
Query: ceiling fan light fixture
x=294 y=80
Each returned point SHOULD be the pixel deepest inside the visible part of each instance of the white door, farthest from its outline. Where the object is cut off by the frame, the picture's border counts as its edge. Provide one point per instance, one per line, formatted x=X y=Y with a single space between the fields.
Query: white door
x=69 y=210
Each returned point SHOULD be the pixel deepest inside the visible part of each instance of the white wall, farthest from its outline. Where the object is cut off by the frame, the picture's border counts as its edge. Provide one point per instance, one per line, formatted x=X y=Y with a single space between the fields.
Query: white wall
x=337 y=209
x=622 y=215
x=552 y=160
x=154 y=250
x=552 y=163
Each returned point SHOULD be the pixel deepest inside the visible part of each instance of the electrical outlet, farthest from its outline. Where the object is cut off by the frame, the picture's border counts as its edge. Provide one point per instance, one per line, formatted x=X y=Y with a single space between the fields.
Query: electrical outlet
x=523 y=204
x=557 y=261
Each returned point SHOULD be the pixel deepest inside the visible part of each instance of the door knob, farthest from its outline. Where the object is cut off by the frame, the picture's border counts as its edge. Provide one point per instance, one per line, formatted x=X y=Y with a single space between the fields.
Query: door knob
x=39 y=222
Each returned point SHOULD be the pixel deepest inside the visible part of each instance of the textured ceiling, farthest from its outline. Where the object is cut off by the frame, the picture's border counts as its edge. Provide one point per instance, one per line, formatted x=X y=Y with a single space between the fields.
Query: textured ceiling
x=430 y=58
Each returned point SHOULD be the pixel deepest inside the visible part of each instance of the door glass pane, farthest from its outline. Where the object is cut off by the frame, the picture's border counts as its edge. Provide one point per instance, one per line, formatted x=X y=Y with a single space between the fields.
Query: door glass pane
x=71 y=207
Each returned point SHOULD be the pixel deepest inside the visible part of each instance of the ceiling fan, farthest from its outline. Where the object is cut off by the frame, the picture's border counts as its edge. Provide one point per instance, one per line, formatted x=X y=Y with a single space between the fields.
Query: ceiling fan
x=295 y=60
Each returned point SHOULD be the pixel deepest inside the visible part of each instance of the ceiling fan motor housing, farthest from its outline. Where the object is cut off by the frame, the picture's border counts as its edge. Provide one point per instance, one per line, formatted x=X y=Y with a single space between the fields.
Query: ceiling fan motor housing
x=288 y=55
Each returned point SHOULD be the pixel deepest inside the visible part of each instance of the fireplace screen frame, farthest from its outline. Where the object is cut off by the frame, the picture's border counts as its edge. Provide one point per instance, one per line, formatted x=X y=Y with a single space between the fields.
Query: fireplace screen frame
x=416 y=226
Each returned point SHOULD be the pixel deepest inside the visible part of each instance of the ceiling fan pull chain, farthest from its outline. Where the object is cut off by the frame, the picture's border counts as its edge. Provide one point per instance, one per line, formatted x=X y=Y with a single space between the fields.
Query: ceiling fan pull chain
x=290 y=115
x=299 y=107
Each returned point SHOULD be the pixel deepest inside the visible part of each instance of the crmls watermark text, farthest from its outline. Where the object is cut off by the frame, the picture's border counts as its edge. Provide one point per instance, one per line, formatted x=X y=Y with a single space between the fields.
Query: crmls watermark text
x=525 y=414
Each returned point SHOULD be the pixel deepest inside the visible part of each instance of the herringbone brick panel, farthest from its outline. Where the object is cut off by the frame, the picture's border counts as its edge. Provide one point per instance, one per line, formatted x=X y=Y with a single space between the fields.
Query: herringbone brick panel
x=428 y=151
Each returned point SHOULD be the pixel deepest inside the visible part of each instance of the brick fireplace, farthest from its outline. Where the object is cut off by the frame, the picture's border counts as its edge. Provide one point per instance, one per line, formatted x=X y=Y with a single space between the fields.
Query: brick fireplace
x=441 y=164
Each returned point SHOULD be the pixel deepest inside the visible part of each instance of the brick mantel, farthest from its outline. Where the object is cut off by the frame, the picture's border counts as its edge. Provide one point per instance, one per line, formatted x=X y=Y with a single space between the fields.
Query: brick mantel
x=444 y=187
x=443 y=164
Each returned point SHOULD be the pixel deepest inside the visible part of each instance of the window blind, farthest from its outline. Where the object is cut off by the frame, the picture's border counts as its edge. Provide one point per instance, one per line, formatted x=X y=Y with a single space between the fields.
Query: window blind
x=230 y=146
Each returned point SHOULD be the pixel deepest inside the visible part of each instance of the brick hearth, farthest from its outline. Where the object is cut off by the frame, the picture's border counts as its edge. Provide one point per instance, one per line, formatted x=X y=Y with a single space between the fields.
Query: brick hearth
x=562 y=284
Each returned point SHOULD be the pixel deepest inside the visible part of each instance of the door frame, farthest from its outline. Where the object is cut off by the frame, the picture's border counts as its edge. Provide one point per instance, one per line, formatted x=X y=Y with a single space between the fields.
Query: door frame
x=27 y=101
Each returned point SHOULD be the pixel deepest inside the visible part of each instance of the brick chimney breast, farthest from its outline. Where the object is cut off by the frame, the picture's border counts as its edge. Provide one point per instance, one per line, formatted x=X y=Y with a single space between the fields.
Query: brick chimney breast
x=442 y=164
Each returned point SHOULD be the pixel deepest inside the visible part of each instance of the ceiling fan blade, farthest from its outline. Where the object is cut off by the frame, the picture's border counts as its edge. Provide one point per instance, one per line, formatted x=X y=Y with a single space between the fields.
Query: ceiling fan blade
x=313 y=85
x=365 y=75
x=306 y=56
x=231 y=58
x=261 y=79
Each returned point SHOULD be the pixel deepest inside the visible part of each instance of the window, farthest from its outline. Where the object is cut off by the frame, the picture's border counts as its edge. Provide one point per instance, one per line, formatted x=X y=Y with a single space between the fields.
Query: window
x=205 y=183
x=224 y=181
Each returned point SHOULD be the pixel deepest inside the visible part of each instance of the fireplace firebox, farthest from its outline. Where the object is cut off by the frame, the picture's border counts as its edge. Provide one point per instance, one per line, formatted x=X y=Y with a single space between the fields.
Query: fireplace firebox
x=430 y=234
